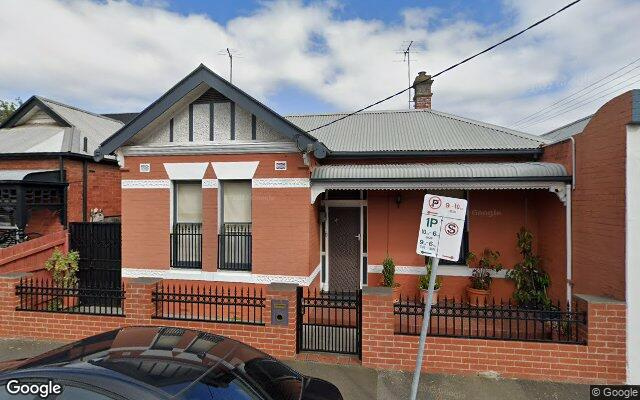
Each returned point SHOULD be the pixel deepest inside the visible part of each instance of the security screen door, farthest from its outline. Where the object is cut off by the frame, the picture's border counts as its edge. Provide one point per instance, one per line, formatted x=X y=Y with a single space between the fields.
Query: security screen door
x=344 y=248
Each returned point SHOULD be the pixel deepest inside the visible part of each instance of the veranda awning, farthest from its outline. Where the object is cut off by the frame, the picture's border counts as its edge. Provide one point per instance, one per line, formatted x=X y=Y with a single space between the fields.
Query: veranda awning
x=417 y=176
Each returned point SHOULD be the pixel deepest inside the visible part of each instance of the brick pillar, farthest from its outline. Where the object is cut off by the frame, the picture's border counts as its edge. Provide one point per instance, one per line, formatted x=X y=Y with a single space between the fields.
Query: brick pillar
x=8 y=302
x=377 y=328
x=138 y=307
x=606 y=335
x=283 y=337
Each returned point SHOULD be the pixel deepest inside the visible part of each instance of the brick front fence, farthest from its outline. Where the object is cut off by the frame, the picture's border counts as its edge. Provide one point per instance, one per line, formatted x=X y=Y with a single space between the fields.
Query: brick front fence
x=601 y=360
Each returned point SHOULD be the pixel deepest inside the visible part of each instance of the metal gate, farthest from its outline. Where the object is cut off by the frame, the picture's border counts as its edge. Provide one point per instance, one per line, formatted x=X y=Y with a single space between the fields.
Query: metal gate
x=99 y=245
x=329 y=321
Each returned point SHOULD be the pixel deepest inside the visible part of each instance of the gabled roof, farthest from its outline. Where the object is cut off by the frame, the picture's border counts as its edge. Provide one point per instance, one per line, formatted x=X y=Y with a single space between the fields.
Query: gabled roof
x=65 y=134
x=426 y=130
x=203 y=75
x=568 y=130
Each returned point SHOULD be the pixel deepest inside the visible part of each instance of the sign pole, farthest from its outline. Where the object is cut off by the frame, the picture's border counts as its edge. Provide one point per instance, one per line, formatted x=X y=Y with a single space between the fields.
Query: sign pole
x=425 y=327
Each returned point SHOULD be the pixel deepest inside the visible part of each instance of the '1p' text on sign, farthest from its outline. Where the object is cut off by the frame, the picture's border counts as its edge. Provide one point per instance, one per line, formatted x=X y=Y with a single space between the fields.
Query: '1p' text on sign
x=441 y=227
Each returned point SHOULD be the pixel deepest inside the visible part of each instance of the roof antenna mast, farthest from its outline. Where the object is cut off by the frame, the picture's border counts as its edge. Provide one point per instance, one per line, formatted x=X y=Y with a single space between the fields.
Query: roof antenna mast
x=406 y=57
x=230 y=65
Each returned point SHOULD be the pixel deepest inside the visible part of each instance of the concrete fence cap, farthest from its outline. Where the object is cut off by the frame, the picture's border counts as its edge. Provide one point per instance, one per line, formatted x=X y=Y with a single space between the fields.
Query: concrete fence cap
x=377 y=290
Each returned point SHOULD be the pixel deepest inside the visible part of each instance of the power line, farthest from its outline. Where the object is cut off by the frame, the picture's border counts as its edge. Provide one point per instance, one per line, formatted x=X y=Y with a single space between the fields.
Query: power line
x=591 y=100
x=544 y=110
x=450 y=67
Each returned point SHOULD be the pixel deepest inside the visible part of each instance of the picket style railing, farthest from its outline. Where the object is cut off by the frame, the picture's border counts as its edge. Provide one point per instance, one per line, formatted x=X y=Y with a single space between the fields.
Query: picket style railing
x=210 y=304
x=493 y=320
x=44 y=295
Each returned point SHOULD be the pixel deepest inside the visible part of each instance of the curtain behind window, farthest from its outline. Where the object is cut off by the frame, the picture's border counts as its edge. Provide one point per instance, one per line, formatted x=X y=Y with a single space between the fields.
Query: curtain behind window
x=236 y=201
x=189 y=202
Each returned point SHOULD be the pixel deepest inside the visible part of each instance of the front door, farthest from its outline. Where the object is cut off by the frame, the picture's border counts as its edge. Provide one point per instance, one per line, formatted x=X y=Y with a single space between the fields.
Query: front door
x=344 y=248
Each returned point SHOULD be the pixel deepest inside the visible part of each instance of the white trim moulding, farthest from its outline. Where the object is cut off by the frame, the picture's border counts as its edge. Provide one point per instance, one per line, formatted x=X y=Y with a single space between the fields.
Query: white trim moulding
x=219 y=276
x=270 y=183
x=214 y=148
x=145 y=184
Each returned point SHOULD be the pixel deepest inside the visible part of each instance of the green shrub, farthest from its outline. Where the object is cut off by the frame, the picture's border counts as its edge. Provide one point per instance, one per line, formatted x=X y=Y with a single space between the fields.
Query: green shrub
x=530 y=279
x=481 y=276
x=63 y=267
x=423 y=281
x=388 y=272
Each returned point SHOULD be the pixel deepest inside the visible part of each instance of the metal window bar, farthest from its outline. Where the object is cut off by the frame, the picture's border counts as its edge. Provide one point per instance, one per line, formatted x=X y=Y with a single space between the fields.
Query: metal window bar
x=234 y=247
x=495 y=320
x=210 y=304
x=186 y=245
x=43 y=295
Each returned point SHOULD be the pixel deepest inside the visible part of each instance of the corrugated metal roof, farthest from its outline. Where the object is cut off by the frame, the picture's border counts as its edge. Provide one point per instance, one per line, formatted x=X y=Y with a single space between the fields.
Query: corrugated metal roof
x=566 y=131
x=19 y=174
x=412 y=130
x=50 y=138
x=507 y=170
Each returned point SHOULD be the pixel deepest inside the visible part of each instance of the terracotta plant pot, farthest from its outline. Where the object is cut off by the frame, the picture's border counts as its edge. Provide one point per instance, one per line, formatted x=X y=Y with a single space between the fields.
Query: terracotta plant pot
x=478 y=297
x=425 y=293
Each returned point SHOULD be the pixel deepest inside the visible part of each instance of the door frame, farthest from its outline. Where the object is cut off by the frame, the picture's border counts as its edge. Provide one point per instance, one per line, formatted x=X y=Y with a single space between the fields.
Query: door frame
x=328 y=204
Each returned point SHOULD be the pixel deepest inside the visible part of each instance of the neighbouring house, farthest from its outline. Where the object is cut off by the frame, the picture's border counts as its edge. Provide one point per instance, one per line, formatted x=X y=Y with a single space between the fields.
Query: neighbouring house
x=48 y=176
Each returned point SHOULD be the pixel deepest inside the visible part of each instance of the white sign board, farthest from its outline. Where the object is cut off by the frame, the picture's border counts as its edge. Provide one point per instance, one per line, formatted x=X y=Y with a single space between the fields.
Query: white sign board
x=441 y=227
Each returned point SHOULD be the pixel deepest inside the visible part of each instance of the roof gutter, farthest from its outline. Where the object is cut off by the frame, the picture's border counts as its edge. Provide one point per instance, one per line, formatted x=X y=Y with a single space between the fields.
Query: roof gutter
x=434 y=153
x=565 y=178
x=73 y=156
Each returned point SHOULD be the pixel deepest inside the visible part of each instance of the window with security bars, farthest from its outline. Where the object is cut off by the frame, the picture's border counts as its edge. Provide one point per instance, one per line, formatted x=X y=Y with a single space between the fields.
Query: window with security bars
x=234 y=239
x=186 y=234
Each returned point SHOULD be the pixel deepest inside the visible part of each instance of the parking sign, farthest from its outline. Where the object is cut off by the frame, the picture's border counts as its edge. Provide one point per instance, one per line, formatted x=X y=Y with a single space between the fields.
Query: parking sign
x=441 y=227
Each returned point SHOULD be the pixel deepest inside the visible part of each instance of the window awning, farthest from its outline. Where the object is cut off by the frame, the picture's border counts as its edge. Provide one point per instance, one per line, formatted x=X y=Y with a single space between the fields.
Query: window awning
x=417 y=176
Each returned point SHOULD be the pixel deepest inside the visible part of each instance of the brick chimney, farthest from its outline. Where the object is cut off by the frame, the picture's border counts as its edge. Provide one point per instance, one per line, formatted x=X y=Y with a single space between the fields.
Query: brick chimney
x=422 y=90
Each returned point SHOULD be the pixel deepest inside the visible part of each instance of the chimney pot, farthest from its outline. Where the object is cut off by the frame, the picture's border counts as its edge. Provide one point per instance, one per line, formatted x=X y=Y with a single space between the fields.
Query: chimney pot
x=422 y=90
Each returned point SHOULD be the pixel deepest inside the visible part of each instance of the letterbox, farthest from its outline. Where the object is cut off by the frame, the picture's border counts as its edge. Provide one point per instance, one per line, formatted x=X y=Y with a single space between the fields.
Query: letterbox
x=279 y=312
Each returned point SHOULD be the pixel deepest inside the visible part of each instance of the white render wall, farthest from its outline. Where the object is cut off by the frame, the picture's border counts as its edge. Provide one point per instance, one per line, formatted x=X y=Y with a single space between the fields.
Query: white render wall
x=221 y=127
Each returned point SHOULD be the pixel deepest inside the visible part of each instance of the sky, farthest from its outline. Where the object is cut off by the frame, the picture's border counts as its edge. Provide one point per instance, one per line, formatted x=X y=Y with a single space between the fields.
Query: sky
x=326 y=56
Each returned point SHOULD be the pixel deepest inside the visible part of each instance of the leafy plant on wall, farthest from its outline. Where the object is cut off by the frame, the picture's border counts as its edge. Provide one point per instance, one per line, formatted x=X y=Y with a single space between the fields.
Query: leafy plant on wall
x=63 y=268
x=530 y=279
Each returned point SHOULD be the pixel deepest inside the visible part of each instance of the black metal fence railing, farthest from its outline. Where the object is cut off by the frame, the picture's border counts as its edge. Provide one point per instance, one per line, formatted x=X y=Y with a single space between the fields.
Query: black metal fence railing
x=44 y=295
x=209 y=304
x=186 y=245
x=495 y=320
x=234 y=247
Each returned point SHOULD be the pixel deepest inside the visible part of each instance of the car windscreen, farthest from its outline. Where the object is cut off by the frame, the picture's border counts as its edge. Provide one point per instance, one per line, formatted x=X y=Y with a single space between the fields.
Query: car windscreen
x=275 y=378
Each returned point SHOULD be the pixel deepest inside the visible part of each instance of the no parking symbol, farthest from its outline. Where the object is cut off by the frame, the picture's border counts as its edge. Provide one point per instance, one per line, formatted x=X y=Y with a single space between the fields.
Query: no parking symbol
x=441 y=225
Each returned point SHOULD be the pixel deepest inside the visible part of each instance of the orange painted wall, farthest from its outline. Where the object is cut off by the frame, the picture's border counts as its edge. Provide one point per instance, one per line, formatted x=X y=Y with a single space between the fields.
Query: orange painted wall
x=494 y=219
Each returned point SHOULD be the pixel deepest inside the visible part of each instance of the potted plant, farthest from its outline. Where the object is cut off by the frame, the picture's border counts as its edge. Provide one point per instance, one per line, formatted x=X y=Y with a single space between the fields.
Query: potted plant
x=63 y=269
x=480 y=288
x=423 y=284
x=388 y=277
x=530 y=279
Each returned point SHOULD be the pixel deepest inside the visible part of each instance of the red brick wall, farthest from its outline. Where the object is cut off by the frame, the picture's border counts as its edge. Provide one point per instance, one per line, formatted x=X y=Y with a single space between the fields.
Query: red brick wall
x=601 y=361
x=283 y=222
x=279 y=341
x=599 y=202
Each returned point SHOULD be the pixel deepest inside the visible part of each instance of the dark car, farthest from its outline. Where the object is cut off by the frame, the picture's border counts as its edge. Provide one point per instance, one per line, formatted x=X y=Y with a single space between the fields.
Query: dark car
x=142 y=363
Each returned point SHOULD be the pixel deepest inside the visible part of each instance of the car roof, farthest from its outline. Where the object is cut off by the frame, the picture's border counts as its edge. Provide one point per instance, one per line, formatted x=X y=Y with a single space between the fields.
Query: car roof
x=143 y=358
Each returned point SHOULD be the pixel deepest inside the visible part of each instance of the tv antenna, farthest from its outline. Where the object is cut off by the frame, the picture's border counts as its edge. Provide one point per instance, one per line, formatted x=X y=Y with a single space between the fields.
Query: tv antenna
x=406 y=57
x=231 y=53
